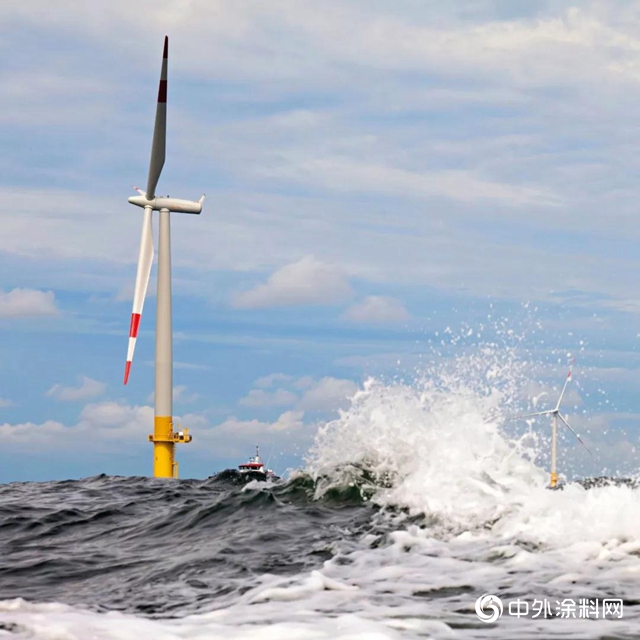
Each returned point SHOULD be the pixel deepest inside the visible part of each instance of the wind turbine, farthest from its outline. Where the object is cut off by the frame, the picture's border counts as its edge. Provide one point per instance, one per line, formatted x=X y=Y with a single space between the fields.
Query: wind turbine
x=164 y=438
x=555 y=415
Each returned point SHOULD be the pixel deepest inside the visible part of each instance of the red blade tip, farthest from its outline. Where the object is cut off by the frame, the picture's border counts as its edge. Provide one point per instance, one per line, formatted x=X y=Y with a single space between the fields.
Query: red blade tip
x=127 y=370
x=165 y=53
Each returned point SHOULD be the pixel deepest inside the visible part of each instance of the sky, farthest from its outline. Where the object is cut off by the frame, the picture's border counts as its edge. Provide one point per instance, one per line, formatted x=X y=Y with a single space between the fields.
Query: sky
x=379 y=177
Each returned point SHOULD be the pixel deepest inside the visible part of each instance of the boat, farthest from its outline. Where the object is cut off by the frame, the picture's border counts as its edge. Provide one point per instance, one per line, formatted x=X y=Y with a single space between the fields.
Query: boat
x=255 y=469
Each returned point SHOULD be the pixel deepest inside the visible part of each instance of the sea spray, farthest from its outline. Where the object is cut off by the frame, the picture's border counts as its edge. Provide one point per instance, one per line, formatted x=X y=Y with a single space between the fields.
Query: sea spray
x=436 y=445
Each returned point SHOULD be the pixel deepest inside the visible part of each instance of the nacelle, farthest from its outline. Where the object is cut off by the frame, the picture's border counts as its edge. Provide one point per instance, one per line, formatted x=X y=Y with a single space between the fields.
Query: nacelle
x=173 y=204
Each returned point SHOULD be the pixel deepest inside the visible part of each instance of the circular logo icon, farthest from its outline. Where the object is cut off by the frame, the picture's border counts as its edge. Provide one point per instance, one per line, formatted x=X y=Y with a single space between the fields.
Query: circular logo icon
x=488 y=608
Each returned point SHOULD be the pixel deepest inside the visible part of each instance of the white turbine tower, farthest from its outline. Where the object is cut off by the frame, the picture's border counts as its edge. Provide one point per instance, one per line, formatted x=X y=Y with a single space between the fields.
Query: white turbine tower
x=163 y=438
x=555 y=414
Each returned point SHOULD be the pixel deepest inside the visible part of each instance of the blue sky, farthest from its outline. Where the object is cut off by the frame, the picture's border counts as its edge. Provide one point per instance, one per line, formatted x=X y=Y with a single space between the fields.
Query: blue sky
x=375 y=173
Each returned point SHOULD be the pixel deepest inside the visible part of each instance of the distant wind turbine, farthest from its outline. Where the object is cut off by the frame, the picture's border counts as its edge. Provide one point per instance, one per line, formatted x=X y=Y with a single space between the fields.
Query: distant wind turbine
x=164 y=437
x=555 y=415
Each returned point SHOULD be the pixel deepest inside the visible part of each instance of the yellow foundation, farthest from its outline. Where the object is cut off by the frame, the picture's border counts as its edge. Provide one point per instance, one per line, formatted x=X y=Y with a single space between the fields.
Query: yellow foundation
x=164 y=439
x=554 y=479
x=162 y=447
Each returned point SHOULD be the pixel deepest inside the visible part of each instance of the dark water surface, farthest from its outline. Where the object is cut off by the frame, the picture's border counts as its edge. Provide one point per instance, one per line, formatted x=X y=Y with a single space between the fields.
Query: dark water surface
x=225 y=560
x=156 y=547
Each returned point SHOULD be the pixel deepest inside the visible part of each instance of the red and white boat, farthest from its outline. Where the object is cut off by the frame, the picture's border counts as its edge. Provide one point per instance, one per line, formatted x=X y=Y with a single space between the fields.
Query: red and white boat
x=256 y=469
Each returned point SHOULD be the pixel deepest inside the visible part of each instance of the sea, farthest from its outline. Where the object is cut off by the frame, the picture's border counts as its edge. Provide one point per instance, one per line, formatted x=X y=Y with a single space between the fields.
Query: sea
x=416 y=513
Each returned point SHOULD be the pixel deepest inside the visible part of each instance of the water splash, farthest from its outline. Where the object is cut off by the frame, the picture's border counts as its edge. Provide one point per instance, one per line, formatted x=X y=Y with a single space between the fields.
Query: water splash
x=438 y=446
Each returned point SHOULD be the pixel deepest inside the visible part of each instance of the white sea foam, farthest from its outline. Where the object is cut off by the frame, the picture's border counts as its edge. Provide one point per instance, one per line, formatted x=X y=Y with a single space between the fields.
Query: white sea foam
x=435 y=448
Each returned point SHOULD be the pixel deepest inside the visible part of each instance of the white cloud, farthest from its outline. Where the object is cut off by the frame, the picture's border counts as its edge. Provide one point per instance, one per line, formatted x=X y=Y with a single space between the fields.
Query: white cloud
x=115 y=419
x=261 y=398
x=180 y=394
x=234 y=436
x=33 y=437
x=304 y=383
x=100 y=425
x=357 y=175
x=328 y=394
x=5 y=403
x=190 y=421
x=106 y=425
x=306 y=282
x=88 y=388
x=285 y=422
x=27 y=302
x=268 y=381
x=377 y=310
x=400 y=37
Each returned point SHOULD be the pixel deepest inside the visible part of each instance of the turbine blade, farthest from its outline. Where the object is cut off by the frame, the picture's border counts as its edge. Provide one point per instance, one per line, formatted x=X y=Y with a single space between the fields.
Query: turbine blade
x=160 y=129
x=145 y=260
x=566 y=382
x=566 y=424
x=532 y=415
